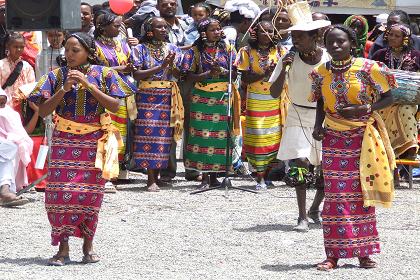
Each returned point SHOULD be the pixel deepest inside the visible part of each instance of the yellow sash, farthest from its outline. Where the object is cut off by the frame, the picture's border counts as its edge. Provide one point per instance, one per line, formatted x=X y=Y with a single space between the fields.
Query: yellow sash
x=177 y=108
x=108 y=144
x=377 y=159
x=236 y=101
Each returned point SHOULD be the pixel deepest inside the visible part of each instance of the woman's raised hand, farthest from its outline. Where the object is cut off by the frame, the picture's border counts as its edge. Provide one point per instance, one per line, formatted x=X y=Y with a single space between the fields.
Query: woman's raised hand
x=169 y=60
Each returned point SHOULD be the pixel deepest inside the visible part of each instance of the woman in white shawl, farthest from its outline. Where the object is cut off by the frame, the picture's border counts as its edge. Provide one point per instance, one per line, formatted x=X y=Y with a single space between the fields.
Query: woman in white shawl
x=15 y=154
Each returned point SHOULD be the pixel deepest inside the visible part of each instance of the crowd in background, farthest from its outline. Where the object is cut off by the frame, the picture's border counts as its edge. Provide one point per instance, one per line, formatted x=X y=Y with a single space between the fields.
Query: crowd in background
x=117 y=96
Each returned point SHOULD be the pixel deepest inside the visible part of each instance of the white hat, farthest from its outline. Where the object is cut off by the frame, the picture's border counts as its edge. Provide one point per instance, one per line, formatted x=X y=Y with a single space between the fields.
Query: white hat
x=301 y=18
x=246 y=8
x=381 y=18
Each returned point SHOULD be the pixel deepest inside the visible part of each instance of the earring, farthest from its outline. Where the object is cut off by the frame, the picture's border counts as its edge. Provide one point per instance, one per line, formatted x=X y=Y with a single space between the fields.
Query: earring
x=253 y=34
x=6 y=52
x=203 y=36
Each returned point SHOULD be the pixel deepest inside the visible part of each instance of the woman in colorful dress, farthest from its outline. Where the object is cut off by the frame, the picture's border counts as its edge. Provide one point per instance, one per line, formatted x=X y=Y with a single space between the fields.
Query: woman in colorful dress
x=400 y=120
x=115 y=52
x=207 y=64
x=82 y=140
x=159 y=105
x=357 y=159
x=263 y=131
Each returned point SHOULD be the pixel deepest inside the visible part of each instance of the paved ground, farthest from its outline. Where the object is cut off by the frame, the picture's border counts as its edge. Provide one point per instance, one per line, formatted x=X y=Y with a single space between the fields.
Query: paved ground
x=175 y=235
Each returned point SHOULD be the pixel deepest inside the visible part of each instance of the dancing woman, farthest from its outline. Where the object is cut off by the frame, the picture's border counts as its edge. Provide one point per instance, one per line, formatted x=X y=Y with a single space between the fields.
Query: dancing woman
x=207 y=64
x=159 y=104
x=263 y=131
x=357 y=159
x=79 y=93
x=400 y=120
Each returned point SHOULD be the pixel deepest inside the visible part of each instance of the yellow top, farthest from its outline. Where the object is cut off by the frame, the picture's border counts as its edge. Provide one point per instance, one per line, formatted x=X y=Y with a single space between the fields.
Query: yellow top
x=362 y=84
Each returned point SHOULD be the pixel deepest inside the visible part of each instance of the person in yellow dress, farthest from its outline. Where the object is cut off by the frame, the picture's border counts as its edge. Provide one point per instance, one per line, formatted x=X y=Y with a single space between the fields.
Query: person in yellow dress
x=263 y=131
x=357 y=157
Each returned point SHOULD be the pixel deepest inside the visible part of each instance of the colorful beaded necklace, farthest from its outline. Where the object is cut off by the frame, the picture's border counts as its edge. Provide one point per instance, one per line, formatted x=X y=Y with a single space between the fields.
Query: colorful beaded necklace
x=341 y=65
x=158 y=50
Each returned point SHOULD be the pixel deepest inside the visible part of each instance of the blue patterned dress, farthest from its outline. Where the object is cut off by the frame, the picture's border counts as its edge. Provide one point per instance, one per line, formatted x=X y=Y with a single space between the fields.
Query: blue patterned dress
x=153 y=134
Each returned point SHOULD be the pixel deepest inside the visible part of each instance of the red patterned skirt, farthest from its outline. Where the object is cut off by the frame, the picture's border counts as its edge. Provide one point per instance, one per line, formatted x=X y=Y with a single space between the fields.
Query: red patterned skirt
x=75 y=188
x=349 y=228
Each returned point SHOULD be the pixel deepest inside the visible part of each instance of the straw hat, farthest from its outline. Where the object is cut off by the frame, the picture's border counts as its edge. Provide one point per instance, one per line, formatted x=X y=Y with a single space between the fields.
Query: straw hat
x=301 y=18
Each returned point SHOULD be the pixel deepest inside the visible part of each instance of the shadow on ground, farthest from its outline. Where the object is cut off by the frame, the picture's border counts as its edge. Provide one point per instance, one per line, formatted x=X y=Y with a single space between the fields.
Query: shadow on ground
x=274 y=227
x=24 y=261
x=286 y=267
x=266 y=228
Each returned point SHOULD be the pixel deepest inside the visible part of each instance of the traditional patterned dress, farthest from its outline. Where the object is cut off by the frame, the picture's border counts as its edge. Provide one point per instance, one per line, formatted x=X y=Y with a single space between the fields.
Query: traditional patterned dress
x=400 y=120
x=74 y=192
x=349 y=227
x=207 y=142
x=263 y=130
x=113 y=53
x=153 y=134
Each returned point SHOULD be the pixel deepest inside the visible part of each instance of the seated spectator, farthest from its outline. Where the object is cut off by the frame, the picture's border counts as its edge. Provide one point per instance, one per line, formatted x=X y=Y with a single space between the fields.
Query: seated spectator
x=15 y=152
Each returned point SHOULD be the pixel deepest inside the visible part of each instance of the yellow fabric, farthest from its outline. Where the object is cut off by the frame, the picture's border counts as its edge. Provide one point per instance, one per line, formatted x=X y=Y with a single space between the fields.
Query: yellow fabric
x=401 y=124
x=360 y=90
x=126 y=108
x=177 y=108
x=377 y=159
x=244 y=63
x=236 y=101
x=122 y=57
x=131 y=107
x=108 y=144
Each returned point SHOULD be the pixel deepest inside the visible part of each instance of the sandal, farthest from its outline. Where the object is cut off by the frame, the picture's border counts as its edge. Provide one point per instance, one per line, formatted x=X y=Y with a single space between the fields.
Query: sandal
x=367 y=263
x=327 y=265
x=153 y=188
x=261 y=187
x=57 y=260
x=91 y=258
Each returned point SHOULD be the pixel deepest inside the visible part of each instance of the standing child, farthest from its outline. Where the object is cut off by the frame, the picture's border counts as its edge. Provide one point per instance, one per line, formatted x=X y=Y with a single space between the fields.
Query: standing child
x=198 y=12
x=52 y=53
x=15 y=72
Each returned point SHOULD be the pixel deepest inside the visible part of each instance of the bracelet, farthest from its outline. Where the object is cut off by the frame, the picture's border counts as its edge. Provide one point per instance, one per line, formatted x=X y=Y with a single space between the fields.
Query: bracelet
x=369 y=108
x=62 y=88
x=90 y=87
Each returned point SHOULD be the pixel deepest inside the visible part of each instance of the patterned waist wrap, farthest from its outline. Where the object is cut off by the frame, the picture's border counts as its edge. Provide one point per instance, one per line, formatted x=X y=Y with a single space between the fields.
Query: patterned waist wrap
x=221 y=85
x=108 y=144
x=177 y=108
x=377 y=159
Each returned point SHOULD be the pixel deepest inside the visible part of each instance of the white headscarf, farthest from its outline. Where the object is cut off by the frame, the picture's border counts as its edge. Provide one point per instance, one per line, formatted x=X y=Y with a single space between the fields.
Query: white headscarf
x=247 y=8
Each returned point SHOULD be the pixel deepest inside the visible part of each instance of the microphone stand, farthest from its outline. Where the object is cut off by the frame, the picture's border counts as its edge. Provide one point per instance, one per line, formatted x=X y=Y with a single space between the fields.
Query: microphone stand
x=226 y=183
